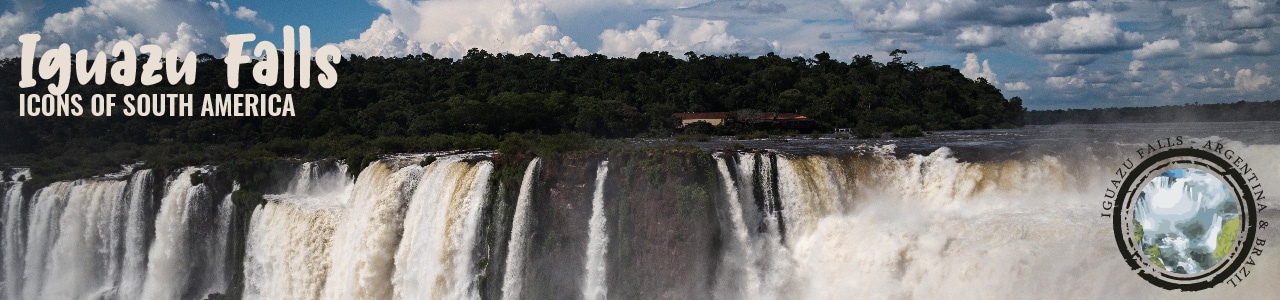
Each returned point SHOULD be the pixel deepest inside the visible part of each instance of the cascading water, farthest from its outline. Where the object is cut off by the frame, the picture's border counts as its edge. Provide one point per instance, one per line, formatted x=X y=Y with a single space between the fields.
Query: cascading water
x=778 y=226
x=85 y=239
x=42 y=231
x=11 y=244
x=594 y=285
x=513 y=278
x=85 y=257
x=369 y=231
x=179 y=265
x=288 y=244
x=137 y=226
x=741 y=253
x=435 y=257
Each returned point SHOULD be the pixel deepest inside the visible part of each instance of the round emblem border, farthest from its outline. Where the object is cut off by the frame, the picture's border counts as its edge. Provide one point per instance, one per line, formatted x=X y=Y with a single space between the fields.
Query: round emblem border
x=1124 y=230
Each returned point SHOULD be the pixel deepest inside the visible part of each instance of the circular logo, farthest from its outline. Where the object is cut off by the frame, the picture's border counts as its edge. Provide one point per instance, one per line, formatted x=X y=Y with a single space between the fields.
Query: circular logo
x=1184 y=218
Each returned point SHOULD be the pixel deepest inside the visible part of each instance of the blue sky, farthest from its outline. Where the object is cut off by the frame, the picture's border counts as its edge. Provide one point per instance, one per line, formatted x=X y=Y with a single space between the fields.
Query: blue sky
x=1053 y=54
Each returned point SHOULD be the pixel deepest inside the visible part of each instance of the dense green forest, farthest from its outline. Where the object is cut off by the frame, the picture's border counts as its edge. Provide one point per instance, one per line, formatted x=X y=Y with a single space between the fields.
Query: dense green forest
x=514 y=103
x=1192 y=112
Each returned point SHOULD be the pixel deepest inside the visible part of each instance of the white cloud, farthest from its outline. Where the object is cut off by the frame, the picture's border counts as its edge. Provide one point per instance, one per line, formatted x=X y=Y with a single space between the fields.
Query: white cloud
x=1069 y=64
x=1017 y=86
x=1158 y=49
x=1135 y=67
x=1079 y=28
x=1246 y=81
x=452 y=27
x=13 y=25
x=977 y=37
x=1248 y=14
x=1216 y=79
x=251 y=16
x=1219 y=49
x=905 y=14
x=1068 y=82
x=178 y=25
x=685 y=34
x=974 y=70
x=1228 y=48
x=381 y=39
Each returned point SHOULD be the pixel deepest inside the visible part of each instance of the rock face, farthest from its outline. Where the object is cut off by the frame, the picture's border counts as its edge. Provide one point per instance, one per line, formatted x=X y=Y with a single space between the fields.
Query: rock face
x=648 y=224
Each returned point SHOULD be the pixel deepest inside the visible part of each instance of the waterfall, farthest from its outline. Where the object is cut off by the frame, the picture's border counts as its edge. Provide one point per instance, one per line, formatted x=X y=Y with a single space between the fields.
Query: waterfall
x=514 y=274
x=763 y=225
x=369 y=231
x=290 y=237
x=320 y=178
x=216 y=248
x=11 y=244
x=594 y=285
x=435 y=259
x=179 y=265
x=137 y=225
x=42 y=232
x=741 y=253
x=84 y=260
x=755 y=265
x=83 y=239
x=287 y=249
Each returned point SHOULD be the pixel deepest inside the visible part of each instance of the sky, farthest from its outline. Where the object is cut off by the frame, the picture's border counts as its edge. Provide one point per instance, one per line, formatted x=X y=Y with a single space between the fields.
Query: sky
x=1052 y=54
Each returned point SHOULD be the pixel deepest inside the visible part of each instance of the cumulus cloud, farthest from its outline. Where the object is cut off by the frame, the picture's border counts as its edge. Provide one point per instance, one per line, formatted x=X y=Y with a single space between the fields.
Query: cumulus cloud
x=178 y=25
x=974 y=70
x=1246 y=81
x=1158 y=49
x=251 y=16
x=1228 y=48
x=1220 y=49
x=381 y=39
x=1135 y=67
x=1078 y=27
x=1069 y=64
x=685 y=34
x=978 y=37
x=1068 y=82
x=1216 y=79
x=244 y=14
x=12 y=25
x=1017 y=86
x=905 y=14
x=1248 y=14
x=452 y=27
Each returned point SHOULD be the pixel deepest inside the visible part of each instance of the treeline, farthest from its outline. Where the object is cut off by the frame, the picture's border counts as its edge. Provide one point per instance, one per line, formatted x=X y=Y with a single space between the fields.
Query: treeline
x=1191 y=112
x=519 y=103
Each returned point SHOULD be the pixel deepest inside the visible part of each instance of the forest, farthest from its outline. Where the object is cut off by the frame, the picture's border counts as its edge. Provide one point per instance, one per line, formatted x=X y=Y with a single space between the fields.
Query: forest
x=1192 y=112
x=517 y=104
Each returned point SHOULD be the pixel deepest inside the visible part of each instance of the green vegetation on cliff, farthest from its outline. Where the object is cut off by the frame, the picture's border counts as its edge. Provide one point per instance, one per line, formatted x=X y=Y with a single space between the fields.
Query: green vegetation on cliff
x=514 y=103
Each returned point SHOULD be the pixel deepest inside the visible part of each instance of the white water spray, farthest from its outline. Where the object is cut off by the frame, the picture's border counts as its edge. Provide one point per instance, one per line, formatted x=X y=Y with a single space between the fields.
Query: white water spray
x=290 y=237
x=513 y=277
x=137 y=224
x=12 y=243
x=440 y=232
x=42 y=231
x=594 y=286
x=369 y=231
x=174 y=265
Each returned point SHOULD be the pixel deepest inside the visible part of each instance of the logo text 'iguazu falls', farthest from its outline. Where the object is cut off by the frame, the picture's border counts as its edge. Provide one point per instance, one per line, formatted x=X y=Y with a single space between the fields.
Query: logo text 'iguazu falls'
x=272 y=66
